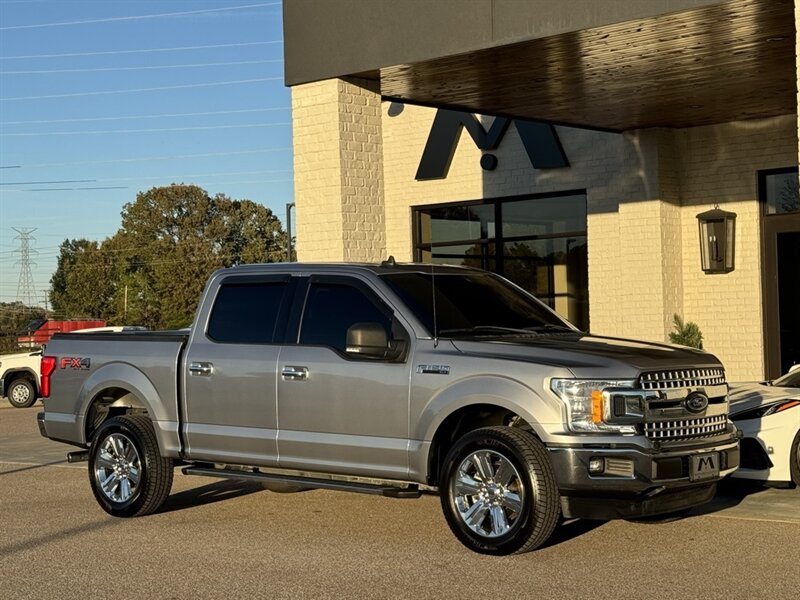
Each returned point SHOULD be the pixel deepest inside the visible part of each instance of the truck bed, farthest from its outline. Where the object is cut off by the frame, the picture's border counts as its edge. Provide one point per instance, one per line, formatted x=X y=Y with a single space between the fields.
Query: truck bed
x=146 y=361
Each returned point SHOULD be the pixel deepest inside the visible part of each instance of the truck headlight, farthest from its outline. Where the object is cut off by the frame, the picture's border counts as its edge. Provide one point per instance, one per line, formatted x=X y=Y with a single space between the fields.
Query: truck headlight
x=584 y=401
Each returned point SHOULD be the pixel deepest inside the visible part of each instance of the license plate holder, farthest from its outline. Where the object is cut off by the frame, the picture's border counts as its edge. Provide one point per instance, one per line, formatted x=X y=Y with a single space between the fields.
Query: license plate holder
x=704 y=466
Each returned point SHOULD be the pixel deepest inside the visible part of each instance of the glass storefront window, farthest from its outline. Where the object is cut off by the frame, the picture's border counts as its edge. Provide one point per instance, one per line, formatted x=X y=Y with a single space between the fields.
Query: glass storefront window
x=539 y=243
x=780 y=191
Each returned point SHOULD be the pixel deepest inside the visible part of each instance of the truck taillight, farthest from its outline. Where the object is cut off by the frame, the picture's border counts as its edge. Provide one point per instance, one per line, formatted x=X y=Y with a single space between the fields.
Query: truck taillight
x=47 y=367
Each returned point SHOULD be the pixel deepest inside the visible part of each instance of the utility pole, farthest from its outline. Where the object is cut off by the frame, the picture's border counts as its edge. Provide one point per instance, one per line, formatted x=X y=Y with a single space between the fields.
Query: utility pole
x=289 y=207
x=125 y=308
x=26 y=290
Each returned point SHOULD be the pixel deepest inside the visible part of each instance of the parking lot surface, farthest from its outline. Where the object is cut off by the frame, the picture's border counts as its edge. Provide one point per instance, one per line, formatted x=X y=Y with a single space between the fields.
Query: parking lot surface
x=223 y=539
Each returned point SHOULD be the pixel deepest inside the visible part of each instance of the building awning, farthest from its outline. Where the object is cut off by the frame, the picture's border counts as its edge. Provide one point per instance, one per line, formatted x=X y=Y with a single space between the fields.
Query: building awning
x=715 y=63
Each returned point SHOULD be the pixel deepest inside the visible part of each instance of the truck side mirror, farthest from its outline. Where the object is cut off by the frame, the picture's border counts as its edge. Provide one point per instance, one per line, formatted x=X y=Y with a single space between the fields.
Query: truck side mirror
x=367 y=339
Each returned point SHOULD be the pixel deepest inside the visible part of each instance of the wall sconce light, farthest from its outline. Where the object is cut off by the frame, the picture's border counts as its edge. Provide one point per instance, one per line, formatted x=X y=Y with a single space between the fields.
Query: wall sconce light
x=717 y=240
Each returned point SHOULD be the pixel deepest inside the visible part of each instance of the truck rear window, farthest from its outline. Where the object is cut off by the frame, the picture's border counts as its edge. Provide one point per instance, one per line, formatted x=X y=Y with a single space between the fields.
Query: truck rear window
x=246 y=313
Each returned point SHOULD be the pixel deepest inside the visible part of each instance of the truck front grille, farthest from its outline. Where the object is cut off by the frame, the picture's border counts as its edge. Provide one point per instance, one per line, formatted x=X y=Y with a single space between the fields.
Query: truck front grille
x=684 y=378
x=685 y=429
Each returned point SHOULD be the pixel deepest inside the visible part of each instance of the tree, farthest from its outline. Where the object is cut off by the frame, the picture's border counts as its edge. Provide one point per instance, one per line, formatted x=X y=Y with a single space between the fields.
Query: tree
x=154 y=268
x=14 y=316
x=82 y=286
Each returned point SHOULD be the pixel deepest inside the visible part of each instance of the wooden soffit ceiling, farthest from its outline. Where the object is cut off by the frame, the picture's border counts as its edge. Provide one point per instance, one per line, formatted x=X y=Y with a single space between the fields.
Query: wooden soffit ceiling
x=727 y=62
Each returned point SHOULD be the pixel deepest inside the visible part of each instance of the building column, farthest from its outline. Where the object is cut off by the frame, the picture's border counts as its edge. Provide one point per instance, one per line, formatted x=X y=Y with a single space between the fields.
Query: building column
x=338 y=171
x=635 y=251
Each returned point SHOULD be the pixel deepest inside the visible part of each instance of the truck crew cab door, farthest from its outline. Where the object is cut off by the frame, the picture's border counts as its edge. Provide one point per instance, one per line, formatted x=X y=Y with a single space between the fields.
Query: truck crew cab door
x=338 y=411
x=229 y=373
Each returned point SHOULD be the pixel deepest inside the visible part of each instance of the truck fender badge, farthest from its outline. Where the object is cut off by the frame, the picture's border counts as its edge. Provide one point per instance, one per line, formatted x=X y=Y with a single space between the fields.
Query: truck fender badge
x=71 y=362
x=696 y=402
x=434 y=369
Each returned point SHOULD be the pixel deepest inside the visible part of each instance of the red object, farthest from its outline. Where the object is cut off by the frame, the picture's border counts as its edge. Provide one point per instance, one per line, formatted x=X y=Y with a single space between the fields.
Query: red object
x=42 y=334
x=47 y=367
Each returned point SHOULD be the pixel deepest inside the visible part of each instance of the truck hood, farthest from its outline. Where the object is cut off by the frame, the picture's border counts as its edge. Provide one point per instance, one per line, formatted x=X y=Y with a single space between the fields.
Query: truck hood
x=588 y=356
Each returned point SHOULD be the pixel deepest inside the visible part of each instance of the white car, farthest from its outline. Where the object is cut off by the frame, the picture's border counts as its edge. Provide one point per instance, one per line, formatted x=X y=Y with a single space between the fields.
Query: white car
x=768 y=414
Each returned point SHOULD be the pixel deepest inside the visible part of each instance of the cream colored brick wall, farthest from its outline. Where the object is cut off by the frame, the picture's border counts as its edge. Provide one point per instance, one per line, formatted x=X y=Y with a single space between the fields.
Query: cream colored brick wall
x=338 y=171
x=317 y=171
x=404 y=137
x=719 y=164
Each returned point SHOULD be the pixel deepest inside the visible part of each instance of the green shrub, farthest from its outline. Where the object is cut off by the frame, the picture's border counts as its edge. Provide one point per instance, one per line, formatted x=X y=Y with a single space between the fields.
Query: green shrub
x=686 y=334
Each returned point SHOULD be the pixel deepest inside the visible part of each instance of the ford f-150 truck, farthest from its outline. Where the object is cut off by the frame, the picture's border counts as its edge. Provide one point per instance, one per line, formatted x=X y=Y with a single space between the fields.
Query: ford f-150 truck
x=395 y=379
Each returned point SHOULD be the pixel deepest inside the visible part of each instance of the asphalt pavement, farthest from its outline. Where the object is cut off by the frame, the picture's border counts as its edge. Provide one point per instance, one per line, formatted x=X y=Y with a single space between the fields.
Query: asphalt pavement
x=224 y=539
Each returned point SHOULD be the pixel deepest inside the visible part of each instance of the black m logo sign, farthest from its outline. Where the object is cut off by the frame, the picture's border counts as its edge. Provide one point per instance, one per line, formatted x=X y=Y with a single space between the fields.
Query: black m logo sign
x=539 y=139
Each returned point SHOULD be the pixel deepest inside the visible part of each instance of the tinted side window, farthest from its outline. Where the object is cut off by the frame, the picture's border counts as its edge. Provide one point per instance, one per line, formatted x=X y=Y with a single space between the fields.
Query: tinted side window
x=246 y=313
x=331 y=309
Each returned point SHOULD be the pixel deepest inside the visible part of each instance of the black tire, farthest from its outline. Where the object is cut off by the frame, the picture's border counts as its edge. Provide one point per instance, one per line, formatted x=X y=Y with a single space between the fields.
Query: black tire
x=531 y=488
x=794 y=460
x=125 y=449
x=21 y=393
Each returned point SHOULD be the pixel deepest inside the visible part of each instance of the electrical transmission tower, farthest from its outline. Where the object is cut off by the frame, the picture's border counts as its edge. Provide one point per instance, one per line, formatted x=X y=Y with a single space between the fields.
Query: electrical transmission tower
x=26 y=290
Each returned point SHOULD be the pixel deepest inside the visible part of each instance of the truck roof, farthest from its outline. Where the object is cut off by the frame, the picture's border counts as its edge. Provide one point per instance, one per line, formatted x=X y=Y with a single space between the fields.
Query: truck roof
x=383 y=268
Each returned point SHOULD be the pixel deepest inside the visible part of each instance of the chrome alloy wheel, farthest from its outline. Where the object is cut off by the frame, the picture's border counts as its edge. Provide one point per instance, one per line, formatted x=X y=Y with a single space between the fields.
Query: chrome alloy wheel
x=488 y=493
x=118 y=468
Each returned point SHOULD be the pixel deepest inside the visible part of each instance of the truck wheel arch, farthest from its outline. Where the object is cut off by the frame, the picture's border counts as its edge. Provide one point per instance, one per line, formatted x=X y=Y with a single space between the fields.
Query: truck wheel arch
x=471 y=404
x=109 y=403
x=10 y=376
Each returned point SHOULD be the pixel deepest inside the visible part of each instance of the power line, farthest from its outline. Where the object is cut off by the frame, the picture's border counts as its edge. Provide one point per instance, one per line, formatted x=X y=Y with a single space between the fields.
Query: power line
x=144 y=68
x=138 y=178
x=151 y=89
x=152 y=158
x=46 y=182
x=233 y=182
x=159 y=116
x=157 y=129
x=140 y=50
x=138 y=17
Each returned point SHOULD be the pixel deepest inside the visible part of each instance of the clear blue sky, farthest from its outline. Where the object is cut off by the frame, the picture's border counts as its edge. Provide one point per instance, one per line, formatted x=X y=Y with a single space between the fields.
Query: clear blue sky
x=221 y=118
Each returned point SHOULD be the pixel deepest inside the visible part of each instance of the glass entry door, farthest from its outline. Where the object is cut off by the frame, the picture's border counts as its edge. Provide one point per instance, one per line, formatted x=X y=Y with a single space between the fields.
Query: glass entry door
x=780 y=196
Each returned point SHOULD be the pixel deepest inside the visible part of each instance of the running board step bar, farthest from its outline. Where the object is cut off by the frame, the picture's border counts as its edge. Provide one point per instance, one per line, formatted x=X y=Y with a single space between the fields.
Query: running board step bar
x=326 y=484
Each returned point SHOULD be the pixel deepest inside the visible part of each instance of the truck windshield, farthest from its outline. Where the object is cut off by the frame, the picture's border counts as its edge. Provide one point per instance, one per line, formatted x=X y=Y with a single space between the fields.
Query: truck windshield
x=473 y=304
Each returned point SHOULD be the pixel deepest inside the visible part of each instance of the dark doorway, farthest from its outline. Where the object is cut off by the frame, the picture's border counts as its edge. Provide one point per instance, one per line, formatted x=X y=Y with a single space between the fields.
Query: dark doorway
x=789 y=298
x=780 y=197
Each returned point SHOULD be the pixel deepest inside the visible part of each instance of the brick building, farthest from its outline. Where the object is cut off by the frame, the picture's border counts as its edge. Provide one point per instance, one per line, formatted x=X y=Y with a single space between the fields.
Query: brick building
x=568 y=146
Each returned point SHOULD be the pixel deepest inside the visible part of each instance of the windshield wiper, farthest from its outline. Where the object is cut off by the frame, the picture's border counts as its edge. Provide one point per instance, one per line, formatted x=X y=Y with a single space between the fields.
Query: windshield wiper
x=486 y=329
x=550 y=327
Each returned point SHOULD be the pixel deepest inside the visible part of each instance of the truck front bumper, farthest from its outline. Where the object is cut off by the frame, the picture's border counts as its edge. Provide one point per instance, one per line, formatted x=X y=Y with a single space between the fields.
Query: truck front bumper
x=611 y=482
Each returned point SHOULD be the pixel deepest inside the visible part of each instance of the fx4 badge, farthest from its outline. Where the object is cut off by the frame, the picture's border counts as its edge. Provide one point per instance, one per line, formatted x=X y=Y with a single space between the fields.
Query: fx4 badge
x=81 y=364
x=434 y=369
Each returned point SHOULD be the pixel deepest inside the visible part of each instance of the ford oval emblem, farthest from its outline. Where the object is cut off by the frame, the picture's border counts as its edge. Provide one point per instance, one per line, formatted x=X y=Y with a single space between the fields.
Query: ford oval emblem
x=696 y=402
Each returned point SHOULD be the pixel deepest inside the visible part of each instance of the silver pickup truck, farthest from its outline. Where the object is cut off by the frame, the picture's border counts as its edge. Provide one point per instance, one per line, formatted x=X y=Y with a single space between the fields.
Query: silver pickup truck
x=395 y=379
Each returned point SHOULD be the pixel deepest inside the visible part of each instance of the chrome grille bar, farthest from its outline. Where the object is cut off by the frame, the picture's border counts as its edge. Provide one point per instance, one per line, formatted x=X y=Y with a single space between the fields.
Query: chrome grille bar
x=686 y=428
x=683 y=378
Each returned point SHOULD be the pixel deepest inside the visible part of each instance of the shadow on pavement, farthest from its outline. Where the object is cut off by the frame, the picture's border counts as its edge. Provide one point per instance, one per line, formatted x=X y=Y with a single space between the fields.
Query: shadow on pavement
x=31 y=467
x=730 y=493
x=212 y=492
x=571 y=529
x=56 y=537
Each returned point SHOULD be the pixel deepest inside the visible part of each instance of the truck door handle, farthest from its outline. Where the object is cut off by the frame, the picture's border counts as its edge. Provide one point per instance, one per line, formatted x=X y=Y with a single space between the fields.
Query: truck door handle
x=201 y=368
x=290 y=373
